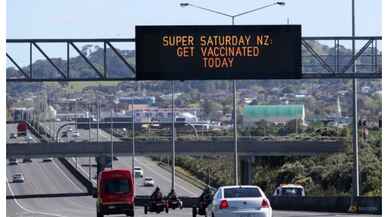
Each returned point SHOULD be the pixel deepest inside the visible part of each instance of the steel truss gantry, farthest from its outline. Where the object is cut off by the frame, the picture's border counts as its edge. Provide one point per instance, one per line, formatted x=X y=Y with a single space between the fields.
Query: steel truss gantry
x=333 y=62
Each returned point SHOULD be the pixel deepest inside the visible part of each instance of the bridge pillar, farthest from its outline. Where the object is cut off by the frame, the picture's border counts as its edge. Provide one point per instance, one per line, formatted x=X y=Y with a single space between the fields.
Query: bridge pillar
x=246 y=170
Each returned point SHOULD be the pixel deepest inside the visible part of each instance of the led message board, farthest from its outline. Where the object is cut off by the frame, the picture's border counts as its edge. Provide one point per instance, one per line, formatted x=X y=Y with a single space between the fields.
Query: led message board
x=218 y=52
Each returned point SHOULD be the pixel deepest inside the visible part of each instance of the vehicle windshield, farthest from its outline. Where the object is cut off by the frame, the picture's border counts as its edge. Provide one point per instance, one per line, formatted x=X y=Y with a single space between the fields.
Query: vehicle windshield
x=292 y=191
x=117 y=186
x=241 y=192
x=148 y=179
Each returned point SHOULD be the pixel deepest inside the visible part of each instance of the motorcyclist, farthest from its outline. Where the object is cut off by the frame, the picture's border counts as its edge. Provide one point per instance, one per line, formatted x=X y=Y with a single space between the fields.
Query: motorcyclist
x=172 y=195
x=156 y=195
x=206 y=196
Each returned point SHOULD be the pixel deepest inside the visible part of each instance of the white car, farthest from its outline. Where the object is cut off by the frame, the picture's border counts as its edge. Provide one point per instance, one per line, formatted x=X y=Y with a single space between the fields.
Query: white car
x=148 y=181
x=18 y=177
x=289 y=190
x=29 y=139
x=241 y=201
x=76 y=134
x=138 y=172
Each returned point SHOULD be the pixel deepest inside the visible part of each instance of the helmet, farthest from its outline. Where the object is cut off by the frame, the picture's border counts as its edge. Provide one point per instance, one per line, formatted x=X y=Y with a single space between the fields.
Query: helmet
x=157 y=188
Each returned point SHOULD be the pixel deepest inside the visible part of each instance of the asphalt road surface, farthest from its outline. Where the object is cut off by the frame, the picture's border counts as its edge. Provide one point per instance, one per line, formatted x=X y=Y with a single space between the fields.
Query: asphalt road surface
x=52 y=177
x=161 y=177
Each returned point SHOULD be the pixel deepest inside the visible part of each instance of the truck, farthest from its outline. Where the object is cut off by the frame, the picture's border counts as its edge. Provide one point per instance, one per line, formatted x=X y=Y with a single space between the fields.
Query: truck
x=22 y=128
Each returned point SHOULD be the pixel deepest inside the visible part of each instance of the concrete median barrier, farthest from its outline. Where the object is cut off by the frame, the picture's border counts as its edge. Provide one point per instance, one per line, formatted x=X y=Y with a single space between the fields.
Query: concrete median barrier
x=78 y=175
x=371 y=205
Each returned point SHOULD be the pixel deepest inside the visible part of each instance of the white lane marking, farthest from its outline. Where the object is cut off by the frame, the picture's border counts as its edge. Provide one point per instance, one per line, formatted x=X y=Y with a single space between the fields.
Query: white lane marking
x=67 y=177
x=168 y=180
x=29 y=210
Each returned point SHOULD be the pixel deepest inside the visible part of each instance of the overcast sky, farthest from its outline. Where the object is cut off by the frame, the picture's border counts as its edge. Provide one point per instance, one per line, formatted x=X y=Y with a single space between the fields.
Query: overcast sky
x=117 y=18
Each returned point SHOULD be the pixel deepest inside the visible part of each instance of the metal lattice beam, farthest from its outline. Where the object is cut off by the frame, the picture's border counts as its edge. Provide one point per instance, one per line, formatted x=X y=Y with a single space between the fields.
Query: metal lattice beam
x=325 y=68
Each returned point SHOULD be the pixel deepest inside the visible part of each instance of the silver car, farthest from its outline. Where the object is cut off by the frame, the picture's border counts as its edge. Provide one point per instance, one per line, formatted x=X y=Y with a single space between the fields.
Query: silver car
x=18 y=177
x=76 y=134
x=241 y=201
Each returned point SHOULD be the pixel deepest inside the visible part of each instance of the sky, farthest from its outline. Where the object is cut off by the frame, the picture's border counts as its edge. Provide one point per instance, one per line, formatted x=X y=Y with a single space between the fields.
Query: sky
x=117 y=18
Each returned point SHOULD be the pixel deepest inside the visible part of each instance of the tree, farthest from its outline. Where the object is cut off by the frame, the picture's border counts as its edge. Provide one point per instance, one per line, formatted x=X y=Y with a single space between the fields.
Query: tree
x=211 y=109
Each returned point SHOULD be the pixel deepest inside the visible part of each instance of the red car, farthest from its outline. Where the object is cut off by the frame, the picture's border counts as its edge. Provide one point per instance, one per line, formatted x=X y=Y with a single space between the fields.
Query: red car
x=115 y=193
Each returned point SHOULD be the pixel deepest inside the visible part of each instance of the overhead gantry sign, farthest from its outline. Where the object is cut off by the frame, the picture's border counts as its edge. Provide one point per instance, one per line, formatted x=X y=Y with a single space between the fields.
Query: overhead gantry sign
x=218 y=52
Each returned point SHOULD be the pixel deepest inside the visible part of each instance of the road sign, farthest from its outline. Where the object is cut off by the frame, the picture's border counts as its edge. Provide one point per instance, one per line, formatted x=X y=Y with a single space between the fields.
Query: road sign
x=218 y=52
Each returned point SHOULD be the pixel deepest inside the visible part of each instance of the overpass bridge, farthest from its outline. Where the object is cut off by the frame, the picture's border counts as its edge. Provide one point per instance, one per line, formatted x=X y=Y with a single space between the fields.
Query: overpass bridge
x=247 y=147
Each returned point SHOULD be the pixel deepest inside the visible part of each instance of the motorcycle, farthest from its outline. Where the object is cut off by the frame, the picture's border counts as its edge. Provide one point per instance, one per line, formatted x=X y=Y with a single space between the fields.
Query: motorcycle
x=200 y=208
x=174 y=203
x=156 y=206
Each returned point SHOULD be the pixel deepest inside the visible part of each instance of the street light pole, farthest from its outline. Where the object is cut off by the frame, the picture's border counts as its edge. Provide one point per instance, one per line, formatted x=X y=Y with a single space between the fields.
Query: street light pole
x=235 y=132
x=355 y=178
x=235 y=127
x=173 y=135
x=133 y=135
x=111 y=138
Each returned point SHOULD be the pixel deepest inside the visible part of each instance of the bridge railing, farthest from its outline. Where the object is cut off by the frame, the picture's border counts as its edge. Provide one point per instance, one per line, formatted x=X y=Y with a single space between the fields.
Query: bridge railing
x=101 y=59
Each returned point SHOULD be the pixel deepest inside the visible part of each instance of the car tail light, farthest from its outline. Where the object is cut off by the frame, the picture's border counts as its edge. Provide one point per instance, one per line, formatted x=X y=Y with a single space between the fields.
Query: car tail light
x=224 y=204
x=264 y=203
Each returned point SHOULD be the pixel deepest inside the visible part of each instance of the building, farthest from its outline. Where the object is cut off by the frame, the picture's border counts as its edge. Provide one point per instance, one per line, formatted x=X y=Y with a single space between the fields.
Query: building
x=279 y=114
x=21 y=113
x=125 y=102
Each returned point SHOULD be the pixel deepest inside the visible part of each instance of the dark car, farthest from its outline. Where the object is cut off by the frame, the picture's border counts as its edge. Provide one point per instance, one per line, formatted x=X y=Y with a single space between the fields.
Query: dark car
x=27 y=160
x=12 y=136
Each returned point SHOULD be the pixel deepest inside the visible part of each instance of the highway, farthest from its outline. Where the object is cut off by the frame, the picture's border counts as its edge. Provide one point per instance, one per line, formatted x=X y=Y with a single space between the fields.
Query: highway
x=161 y=177
x=11 y=128
x=48 y=178
x=52 y=177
